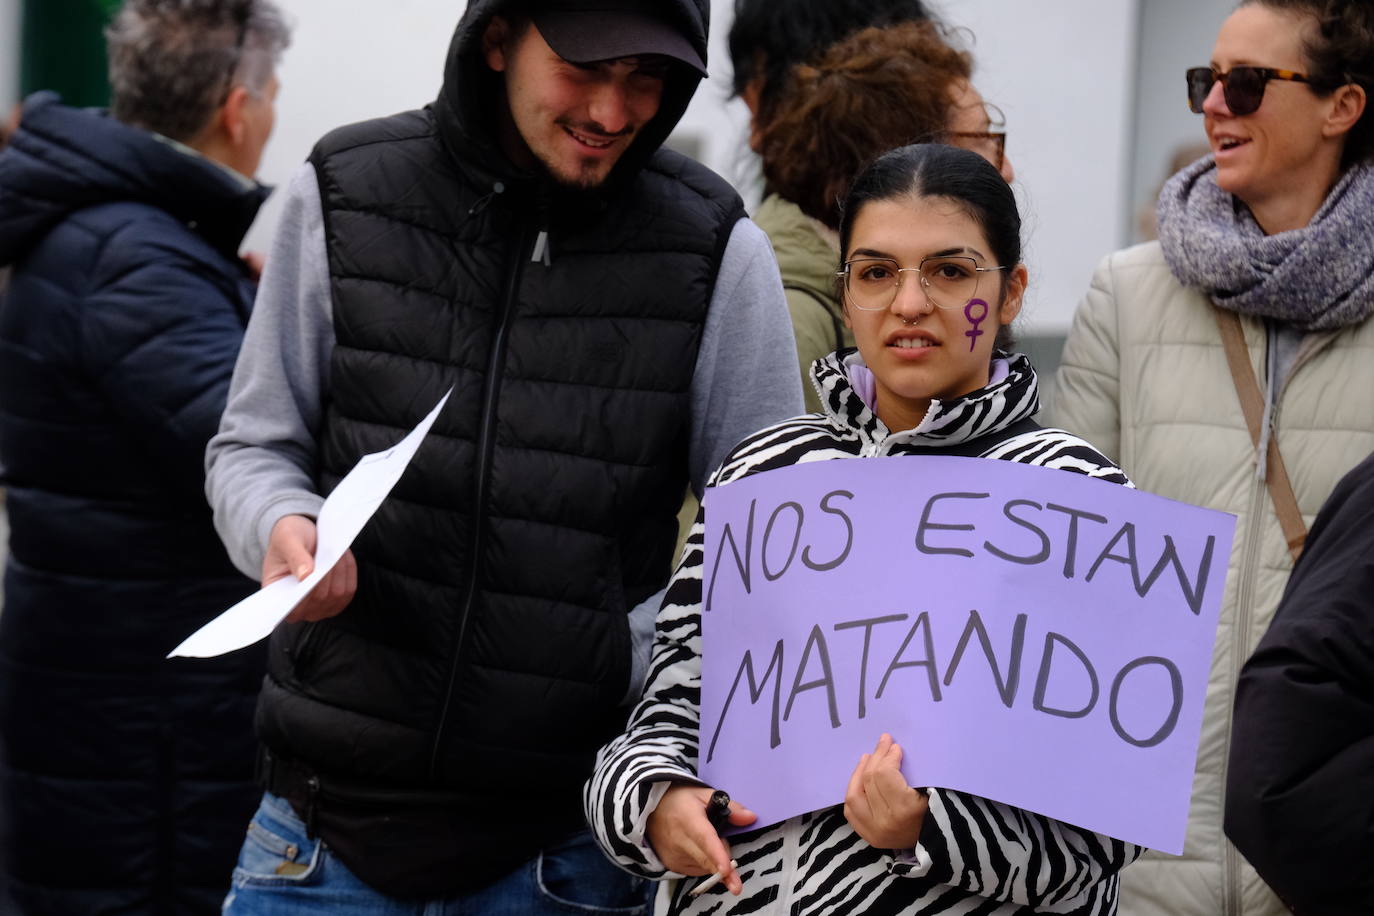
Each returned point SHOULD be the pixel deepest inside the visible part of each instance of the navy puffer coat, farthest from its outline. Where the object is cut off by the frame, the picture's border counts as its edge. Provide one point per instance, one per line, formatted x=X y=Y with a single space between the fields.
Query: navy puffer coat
x=129 y=776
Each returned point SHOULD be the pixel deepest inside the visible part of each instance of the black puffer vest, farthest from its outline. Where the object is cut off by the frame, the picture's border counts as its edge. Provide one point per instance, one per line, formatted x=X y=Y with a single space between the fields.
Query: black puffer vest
x=460 y=699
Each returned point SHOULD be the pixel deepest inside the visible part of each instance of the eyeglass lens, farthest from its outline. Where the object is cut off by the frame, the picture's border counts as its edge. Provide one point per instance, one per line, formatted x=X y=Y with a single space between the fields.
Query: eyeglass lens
x=1243 y=88
x=948 y=282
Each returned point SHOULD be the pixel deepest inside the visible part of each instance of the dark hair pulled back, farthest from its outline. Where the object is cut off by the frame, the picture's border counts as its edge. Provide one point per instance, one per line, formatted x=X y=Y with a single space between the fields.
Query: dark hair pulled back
x=1339 y=51
x=960 y=176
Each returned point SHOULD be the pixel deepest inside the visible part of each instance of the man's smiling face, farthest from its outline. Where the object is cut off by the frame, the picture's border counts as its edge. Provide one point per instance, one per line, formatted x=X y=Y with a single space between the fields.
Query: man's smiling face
x=576 y=120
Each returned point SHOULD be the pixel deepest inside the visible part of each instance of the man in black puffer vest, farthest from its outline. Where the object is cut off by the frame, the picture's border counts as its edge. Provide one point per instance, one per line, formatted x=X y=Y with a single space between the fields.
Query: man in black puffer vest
x=610 y=324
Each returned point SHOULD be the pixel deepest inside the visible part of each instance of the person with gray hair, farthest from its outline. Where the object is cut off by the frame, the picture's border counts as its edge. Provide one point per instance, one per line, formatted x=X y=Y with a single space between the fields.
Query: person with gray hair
x=128 y=776
x=174 y=62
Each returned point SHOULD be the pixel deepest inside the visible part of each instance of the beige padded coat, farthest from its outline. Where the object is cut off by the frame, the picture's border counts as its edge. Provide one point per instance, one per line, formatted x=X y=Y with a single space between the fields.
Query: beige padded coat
x=1145 y=378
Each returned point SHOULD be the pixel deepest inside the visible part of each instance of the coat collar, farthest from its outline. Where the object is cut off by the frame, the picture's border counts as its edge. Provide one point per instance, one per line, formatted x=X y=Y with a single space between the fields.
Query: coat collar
x=1009 y=399
x=66 y=159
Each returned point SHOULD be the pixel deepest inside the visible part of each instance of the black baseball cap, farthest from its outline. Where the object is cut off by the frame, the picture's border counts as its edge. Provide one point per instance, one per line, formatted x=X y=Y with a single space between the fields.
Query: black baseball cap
x=585 y=31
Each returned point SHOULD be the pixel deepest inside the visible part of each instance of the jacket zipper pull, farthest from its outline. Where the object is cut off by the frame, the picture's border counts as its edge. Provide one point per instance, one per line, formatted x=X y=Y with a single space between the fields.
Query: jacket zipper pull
x=541 y=250
x=481 y=204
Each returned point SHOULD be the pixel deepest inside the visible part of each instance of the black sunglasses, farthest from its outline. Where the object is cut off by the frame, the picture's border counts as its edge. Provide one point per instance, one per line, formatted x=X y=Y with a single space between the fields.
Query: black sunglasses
x=1243 y=87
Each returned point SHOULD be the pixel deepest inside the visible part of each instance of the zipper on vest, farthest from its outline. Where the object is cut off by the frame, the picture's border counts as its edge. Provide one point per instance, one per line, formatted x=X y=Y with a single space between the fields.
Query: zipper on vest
x=486 y=445
x=541 y=250
x=542 y=253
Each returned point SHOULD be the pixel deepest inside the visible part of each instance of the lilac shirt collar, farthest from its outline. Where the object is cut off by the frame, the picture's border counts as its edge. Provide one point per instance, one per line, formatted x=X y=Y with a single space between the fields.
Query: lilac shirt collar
x=865 y=386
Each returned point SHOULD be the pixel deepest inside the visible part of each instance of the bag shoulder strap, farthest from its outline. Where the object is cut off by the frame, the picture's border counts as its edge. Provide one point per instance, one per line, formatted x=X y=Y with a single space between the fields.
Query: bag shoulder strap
x=1252 y=405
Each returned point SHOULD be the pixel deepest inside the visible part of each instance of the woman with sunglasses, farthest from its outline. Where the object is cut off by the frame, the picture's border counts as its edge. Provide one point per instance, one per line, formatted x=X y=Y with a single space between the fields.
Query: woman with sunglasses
x=1267 y=242
x=878 y=89
x=930 y=277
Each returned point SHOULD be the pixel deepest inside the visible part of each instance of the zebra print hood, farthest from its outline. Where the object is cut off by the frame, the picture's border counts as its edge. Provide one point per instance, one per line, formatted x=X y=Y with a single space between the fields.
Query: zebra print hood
x=1012 y=395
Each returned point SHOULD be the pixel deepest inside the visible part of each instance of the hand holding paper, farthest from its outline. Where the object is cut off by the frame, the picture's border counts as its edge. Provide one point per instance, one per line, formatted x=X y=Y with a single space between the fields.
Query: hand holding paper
x=342 y=516
x=291 y=552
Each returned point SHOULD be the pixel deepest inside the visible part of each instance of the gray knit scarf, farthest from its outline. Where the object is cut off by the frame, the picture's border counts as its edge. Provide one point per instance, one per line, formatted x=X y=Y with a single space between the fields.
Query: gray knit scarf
x=1316 y=278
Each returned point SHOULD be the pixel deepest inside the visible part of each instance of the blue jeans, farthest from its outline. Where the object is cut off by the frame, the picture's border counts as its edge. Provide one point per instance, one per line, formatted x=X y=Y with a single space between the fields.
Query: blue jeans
x=282 y=871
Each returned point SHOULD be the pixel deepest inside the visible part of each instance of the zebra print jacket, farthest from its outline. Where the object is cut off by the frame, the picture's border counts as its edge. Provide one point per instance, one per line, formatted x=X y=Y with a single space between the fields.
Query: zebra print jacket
x=975 y=856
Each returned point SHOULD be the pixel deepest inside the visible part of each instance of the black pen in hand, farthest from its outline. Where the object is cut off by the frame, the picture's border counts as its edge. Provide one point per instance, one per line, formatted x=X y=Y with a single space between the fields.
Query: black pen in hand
x=718 y=809
x=718 y=813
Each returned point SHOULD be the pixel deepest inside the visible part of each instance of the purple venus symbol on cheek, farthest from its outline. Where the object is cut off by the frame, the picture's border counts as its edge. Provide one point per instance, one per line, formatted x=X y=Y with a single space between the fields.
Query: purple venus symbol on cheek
x=976 y=312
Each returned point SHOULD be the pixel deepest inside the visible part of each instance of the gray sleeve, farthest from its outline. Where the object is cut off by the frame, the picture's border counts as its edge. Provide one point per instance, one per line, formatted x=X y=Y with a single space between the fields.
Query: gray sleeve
x=260 y=466
x=642 y=620
x=746 y=379
x=746 y=374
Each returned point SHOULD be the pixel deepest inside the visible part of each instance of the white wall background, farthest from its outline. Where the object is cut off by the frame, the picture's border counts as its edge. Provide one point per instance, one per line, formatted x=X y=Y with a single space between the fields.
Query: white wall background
x=1173 y=36
x=1062 y=70
x=1065 y=72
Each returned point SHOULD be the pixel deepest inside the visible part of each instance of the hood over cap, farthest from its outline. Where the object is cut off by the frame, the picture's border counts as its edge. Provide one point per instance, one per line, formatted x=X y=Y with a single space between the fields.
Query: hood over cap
x=466 y=108
x=64 y=159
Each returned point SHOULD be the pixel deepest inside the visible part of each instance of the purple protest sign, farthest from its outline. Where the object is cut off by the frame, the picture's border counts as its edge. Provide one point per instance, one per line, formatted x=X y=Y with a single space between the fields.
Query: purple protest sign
x=1027 y=635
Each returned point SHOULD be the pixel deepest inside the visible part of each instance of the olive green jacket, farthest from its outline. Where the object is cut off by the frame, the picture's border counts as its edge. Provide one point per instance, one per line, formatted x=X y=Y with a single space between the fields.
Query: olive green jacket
x=807 y=261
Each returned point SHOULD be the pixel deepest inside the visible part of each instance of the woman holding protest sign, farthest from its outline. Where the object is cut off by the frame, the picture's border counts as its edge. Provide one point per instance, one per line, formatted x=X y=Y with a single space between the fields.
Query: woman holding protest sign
x=930 y=279
x=1228 y=364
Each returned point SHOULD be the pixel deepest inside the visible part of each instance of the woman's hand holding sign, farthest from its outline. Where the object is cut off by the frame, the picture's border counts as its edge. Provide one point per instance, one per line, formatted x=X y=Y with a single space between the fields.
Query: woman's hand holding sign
x=686 y=841
x=879 y=804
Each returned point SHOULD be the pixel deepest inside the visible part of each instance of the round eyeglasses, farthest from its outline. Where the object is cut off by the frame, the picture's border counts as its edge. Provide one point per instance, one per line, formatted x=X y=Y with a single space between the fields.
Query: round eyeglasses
x=948 y=281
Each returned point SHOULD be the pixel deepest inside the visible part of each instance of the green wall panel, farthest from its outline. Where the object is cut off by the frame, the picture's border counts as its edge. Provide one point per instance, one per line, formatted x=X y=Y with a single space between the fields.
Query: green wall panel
x=63 y=49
